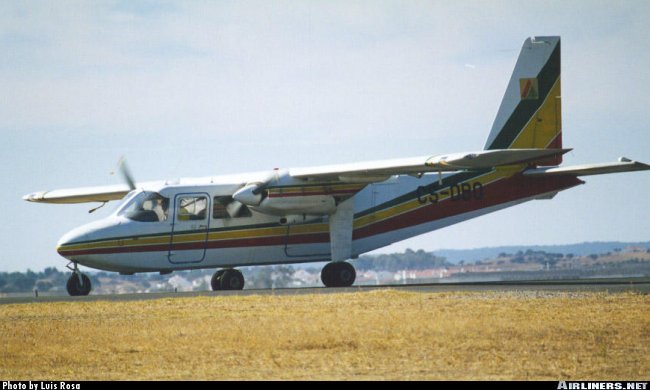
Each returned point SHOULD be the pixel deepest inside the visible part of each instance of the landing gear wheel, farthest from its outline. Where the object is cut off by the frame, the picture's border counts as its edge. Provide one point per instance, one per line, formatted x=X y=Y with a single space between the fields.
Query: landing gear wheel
x=78 y=285
x=215 y=282
x=232 y=280
x=338 y=274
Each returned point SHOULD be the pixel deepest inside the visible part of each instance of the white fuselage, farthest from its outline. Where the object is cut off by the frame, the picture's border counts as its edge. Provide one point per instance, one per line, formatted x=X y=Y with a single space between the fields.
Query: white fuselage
x=398 y=208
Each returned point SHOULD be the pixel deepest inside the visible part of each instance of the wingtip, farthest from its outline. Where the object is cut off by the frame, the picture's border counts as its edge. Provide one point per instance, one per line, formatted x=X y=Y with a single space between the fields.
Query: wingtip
x=638 y=166
x=34 y=196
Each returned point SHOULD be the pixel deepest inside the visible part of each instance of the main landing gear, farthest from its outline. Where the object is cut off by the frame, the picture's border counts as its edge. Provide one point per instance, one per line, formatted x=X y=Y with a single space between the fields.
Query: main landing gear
x=78 y=284
x=338 y=274
x=334 y=274
x=227 y=279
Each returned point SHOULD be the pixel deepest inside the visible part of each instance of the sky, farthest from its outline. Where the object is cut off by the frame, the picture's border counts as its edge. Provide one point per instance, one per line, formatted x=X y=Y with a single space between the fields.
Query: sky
x=199 y=88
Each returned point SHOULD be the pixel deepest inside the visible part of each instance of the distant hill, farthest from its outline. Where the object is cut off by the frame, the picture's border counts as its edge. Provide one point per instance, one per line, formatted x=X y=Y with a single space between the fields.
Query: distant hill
x=583 y=249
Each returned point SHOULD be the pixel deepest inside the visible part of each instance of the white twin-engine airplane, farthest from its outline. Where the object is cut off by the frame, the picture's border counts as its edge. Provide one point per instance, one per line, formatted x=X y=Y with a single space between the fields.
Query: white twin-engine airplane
x=332 y=213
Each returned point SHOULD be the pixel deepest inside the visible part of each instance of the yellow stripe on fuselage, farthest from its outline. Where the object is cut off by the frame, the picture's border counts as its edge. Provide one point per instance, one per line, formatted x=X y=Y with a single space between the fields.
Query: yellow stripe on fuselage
x=313 y=228
x=410 y=205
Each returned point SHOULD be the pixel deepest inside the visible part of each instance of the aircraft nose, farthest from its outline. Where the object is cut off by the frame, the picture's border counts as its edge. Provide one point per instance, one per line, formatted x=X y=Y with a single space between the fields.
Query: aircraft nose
x=65 y=245
x=74 y=244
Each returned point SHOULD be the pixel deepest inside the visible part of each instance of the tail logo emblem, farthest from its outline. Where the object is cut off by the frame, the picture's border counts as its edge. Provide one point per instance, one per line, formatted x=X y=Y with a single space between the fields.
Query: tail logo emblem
x=528 y=89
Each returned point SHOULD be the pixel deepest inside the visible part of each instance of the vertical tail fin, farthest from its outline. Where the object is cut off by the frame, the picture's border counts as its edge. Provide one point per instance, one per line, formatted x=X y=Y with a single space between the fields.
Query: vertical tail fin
x=530 y=115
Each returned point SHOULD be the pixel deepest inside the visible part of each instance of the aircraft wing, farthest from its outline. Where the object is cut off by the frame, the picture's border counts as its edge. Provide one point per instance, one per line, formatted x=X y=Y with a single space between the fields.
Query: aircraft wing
x=623 y=165
x=376 y=171
x=80 y=195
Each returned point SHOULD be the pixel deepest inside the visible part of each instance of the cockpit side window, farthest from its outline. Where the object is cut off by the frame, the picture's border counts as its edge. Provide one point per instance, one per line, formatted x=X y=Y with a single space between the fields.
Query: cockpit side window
x=147 y=207
x=226 y=207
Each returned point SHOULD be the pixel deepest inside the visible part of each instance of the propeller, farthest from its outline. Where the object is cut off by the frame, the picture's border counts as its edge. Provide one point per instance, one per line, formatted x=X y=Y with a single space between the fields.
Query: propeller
x=251 y=193
x=273 y=176
x=126 y=174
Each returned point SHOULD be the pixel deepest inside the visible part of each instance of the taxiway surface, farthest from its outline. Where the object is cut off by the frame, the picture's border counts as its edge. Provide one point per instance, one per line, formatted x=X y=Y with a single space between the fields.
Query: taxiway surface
x=638 y=285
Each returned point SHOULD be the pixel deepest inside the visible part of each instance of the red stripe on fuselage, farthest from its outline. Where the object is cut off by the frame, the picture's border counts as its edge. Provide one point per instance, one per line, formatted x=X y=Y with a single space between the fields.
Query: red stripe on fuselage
x=503 y=191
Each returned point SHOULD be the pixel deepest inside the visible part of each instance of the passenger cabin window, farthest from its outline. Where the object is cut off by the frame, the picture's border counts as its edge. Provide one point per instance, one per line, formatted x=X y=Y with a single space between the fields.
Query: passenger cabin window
x=226 y=207
x=147 y=207
x=192 y=208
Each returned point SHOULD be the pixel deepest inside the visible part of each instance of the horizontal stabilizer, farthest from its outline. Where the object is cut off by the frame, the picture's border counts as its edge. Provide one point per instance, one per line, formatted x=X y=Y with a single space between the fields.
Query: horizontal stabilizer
x=493 y=158
x=623 y=165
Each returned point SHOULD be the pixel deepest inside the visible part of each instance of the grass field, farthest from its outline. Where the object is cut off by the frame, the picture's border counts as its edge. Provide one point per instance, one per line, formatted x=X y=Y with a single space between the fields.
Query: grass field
x=381 y=334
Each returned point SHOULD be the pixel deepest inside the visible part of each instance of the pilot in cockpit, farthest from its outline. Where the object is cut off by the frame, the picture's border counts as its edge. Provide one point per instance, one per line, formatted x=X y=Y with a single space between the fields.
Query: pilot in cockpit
x=160 y=207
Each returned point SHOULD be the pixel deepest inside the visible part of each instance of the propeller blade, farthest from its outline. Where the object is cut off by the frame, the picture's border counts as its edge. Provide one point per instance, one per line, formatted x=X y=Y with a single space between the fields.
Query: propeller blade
x=273 y=176
x=126 y=174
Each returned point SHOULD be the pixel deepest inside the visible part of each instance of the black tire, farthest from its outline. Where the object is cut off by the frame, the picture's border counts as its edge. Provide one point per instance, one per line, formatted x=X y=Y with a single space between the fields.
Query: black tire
x=338 y=274
x=327 y=275
x=78 y=287
x=232 y=280
x=215 y=282
x=345 y=275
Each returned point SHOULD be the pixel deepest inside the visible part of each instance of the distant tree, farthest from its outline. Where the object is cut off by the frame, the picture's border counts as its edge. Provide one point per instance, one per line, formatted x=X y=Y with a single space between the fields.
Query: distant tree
x=94 y=281
x=50 y=271
x=593 y=256
x=569 y=255
x=19 y=282
x=201 y=285
x=271 y=277
x=31 y=274
x=261 y=278
x=283 y=276
x=399 y=261
x=44 y=285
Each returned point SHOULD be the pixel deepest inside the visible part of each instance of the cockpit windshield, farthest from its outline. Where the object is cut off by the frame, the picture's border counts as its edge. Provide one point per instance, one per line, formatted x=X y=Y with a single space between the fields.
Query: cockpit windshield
x=146 y=207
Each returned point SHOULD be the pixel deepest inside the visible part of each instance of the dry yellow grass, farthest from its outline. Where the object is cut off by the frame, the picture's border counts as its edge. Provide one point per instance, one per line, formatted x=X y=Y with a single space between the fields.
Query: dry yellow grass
x=372 y=335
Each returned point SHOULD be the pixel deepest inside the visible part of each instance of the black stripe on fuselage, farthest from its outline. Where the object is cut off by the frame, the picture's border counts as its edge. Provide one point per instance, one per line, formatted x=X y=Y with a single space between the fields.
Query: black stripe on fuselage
x=429 y=188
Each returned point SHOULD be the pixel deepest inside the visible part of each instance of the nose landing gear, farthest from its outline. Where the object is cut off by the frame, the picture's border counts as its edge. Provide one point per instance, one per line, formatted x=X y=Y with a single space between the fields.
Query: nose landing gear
x=78 y=284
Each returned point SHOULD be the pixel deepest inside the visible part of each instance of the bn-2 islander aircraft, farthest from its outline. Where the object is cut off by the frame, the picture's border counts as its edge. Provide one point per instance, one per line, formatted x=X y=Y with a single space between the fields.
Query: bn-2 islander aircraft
x=332 y=213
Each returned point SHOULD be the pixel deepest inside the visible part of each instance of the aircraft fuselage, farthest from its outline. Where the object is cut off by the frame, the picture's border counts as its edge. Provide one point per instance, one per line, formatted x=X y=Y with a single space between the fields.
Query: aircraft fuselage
x=401 y=207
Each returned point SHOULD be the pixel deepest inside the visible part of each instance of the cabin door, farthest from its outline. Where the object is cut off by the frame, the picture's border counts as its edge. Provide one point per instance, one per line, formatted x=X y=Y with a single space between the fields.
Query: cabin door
x=191 y=222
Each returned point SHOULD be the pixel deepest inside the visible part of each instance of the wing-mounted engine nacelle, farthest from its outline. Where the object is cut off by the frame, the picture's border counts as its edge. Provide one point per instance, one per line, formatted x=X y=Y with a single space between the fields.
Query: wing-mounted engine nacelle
x=301 y=204
x=276 y=202
x=250 y=195
x=298 y=219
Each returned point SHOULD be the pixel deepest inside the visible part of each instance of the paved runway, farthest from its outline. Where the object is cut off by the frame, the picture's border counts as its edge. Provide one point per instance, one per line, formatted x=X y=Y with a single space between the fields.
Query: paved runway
x=639 y=285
